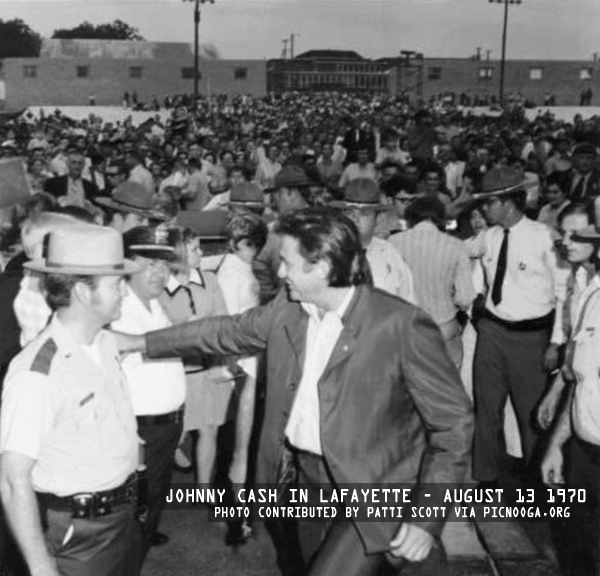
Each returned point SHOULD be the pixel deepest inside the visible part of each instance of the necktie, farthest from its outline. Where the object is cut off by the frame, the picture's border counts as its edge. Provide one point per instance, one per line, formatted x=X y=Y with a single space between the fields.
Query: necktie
x=578 y=191
x=500 y=270
x=366 y=267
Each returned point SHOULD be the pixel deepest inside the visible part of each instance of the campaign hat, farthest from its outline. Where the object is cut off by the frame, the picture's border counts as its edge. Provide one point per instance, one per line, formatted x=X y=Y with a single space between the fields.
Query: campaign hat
x=84 y=250
x=362 y=194
x=292 y=176
x=246 y=194
x=500 y=181
x=132 y=197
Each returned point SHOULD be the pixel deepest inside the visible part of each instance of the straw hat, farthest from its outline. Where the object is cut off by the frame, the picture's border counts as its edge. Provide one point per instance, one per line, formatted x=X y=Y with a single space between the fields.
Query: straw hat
x=500 y=181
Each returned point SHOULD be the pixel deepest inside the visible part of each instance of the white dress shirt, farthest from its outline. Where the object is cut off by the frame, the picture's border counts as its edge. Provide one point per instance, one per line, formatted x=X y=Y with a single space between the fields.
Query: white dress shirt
x=585 y=411
x=532 y=282
x=303 y=429
x=156 y=386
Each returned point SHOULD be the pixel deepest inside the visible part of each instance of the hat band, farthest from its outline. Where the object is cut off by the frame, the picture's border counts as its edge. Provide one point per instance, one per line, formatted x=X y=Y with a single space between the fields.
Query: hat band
x=91 y=267
x=363 y=204
x=513 y=188
x=152 y=247
x=128 y=205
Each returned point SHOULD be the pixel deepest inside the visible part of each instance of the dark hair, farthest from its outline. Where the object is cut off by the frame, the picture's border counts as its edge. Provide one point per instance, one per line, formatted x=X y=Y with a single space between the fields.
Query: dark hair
x=426 y=208
x=178 y=237
x=326 y=234
x=579 y=207
x=519 y=199
x=58 y=288
x=560 y=179
x=250 y=227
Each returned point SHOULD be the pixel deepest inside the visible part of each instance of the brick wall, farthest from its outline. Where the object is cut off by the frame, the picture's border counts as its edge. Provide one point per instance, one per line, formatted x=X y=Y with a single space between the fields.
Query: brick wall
x=57 y=83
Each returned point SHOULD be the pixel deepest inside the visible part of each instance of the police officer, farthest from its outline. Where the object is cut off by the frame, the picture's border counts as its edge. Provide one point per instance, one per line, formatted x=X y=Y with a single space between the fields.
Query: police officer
x=68 y=441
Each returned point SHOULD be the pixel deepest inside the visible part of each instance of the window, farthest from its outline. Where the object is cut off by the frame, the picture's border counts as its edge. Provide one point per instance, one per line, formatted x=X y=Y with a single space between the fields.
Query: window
x=435 y=73
x=585 y=74
x=187 y=73
x=135 y=71
x=83 y=71
x=535 y=73
x=485 y=73
x=240 y=73
x=29 y=71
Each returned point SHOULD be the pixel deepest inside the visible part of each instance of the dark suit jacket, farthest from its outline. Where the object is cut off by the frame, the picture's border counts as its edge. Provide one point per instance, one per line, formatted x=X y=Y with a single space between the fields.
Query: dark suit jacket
x=59 y=186
x=392 y=406
x=591 y=189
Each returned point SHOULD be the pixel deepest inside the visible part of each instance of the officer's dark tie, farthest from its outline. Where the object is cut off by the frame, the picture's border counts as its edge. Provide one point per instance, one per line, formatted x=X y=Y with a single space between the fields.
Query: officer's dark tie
x=500 y=270
x=579 y=190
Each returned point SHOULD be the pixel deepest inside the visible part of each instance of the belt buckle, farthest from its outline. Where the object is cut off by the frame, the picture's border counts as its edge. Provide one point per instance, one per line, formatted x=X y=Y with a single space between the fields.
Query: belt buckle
x=83 y=505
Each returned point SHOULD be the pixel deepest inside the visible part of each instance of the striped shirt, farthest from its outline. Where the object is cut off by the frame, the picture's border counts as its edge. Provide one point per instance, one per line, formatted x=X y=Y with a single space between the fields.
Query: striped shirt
x=441 y=270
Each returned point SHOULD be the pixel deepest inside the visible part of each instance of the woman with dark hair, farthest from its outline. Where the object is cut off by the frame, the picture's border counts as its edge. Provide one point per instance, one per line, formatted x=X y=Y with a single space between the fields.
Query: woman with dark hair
x=556 y=193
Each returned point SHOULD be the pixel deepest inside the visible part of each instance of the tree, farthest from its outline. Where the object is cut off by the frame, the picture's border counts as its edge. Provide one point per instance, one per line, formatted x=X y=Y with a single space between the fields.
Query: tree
x=117 y=30
x=18 y=40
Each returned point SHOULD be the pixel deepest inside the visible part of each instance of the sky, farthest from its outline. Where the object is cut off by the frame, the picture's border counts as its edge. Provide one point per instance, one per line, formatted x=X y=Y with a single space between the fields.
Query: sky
x=254 y=29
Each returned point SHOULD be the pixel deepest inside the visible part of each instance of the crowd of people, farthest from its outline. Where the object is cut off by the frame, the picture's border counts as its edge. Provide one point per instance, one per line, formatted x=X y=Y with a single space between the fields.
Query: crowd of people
x=273 y=219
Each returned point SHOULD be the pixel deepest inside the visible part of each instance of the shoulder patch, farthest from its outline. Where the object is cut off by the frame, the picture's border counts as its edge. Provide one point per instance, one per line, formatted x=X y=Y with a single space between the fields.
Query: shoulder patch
x=43 y=359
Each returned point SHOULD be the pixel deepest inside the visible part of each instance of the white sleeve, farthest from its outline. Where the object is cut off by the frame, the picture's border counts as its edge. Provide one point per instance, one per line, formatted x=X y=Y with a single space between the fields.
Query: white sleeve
x=27 y=413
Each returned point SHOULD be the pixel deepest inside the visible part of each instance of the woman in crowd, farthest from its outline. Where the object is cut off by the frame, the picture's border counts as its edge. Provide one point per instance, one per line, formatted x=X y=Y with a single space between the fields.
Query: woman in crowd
x=189 y=295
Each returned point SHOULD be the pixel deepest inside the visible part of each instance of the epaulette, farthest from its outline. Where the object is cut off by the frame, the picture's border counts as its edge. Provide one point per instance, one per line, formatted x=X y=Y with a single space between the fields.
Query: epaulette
x=43 y=359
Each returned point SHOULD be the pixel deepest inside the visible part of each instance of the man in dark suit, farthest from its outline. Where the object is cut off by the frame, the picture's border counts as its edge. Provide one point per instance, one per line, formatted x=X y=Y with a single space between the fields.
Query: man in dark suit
x=72 y=189
x=360 y=389
x=585 y=177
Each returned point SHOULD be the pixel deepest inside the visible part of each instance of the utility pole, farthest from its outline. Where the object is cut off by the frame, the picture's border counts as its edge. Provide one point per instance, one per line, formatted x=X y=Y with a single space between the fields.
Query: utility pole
x=478 y=55
x=487 y=55
x=285 y=43
x=197 y=45
x=504 y=34
x=291 y=46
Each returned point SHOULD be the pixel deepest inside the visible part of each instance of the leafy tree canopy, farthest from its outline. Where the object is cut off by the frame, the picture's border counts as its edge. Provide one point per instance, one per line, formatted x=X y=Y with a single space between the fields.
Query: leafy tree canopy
x=18 y=40
x=117 y=30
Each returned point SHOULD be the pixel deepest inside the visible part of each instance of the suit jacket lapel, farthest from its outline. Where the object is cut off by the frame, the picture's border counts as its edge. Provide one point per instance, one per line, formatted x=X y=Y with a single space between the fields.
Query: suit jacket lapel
x=347 y=341
x=295 y=330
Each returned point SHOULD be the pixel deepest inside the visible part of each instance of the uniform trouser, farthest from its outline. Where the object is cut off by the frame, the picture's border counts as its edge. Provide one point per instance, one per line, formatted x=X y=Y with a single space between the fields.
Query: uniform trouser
x=507 y=362
x=334 y=548
x=103 y=546
x=577 y=538
x=161 y=441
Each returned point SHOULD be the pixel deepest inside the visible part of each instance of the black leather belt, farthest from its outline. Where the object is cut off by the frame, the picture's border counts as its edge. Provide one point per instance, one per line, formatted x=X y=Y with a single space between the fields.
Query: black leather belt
x=532 y=325
x=161 y=419
x=91 y=504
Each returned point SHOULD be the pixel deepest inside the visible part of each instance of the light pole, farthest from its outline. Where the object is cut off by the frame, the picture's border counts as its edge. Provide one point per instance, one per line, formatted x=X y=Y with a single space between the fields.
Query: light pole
x=197 y=45
x=503 y=61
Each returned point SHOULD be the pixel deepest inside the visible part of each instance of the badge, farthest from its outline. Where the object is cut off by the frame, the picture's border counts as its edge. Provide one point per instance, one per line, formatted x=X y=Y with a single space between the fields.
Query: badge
x=522 y=266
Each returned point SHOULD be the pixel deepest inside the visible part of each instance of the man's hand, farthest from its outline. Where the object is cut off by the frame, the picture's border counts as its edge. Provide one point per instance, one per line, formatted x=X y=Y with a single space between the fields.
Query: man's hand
x=547 y=409
x=551 y=358
x=552 y=466
x=129 y=342
x=412 y=543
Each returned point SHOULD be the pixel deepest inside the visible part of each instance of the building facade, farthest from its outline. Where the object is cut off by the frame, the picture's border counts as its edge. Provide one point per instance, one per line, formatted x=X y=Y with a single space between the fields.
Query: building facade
x=72 y=72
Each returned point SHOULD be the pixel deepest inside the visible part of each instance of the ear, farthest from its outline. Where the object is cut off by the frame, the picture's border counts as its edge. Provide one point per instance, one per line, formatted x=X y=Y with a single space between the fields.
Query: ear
x=82 y=292
x=323 y=269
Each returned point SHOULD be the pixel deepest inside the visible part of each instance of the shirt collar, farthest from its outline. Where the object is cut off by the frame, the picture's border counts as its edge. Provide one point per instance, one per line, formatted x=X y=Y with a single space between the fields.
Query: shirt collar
x=313 y=311
x=195 y=277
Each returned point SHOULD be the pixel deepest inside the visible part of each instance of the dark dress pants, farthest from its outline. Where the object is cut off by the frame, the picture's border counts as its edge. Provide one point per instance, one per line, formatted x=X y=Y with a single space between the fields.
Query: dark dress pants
x=577 y=538
x=103 y=546
x=507 y=362
x=161 y=441
x=334 y=548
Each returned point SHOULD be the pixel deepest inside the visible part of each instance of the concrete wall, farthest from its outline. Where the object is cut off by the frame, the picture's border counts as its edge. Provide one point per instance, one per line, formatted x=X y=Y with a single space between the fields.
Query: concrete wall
x=57 y=82
x=561 y=78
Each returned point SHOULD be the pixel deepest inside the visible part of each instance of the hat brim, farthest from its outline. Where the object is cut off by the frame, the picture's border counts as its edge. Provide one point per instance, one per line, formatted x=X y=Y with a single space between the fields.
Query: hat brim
x=260 y=205
x=588 y=234
x=120 y=207
x=128 y=267
x=343 y=205
x=499 y=192
x=155 y=252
